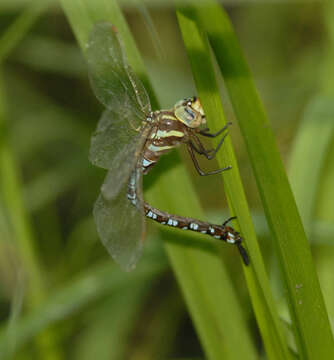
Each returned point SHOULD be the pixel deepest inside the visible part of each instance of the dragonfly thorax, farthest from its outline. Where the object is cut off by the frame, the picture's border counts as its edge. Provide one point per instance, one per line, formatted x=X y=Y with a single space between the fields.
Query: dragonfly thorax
x=167 y=132
x=171 y=128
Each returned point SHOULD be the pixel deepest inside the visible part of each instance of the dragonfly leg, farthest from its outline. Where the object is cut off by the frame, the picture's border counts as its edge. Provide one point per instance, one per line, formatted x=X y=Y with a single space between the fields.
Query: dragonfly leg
x=205 y=132
x=199 y=147
x=228 y=220
x=197 y=167
x=210 y=154
x=214 y=152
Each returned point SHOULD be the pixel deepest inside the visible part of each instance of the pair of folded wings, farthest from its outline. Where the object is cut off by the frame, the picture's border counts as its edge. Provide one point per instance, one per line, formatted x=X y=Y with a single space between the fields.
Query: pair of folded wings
x=117 y=143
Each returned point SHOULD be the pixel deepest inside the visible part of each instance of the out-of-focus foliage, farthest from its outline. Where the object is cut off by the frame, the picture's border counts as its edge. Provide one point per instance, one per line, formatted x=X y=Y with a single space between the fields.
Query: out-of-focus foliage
x=61 y=297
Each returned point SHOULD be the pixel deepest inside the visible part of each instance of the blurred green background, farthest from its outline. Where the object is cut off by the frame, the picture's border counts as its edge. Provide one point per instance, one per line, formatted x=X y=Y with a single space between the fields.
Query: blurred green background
x=88 y=308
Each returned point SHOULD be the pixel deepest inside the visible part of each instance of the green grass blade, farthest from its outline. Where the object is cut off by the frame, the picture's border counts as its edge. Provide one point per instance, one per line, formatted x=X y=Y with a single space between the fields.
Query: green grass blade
x=110 y=340
x=73 y=297
x=198 y=49
x=325 y=208
x=207 y=289
x=318 y=119
x=12 y=189
x=12 y=197
x=312 y=332
x=208 y=292
x=20 y=27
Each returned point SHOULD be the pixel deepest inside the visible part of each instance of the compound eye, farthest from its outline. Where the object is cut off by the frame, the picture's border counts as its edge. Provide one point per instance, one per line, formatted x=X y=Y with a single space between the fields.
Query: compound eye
x=190 y=113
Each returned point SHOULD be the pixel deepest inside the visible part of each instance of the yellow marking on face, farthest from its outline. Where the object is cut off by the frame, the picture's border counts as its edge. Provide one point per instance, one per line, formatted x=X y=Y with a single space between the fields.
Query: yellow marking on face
x=159 y=148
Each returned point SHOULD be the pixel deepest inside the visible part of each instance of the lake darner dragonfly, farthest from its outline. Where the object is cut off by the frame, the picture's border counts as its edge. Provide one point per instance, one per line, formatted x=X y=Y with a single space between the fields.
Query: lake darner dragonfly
x=129 y=140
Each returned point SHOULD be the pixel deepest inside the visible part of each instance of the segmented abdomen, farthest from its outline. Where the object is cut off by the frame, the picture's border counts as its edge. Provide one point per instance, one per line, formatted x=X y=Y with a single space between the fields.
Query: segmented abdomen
x=221 y=232
x=225 y=233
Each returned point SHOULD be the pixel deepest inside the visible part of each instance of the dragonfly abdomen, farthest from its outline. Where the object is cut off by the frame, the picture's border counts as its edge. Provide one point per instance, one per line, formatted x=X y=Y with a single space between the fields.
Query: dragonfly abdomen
x=132 y=193
x=221 y=232
x=225 y=233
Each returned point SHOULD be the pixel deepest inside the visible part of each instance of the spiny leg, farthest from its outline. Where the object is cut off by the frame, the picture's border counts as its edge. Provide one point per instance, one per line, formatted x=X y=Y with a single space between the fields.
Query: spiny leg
x=229 y=220
x=199 y=170
x=221 y=232
x=209 y=154
x=204 y=132
x=199 y=147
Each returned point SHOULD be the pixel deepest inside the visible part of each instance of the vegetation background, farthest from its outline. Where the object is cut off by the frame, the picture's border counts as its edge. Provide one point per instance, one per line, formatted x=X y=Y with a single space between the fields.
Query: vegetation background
x=61 y=295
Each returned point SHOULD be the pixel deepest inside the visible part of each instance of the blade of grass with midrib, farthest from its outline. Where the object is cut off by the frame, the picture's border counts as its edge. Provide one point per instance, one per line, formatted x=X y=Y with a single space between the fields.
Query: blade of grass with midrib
x=311 y=325
x=201 y=63
x=11 y=186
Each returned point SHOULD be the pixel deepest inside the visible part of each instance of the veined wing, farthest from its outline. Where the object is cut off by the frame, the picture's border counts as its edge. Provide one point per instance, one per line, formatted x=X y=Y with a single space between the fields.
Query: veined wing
x=121 y=225
x=113 y=81
x=117 y=147
x=112 y=137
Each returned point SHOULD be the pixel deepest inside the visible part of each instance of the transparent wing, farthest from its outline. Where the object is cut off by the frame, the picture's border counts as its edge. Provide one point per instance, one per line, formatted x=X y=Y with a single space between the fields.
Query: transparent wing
x=117 y=147
x=121 y=225
x=112 y=137
x=113 y=81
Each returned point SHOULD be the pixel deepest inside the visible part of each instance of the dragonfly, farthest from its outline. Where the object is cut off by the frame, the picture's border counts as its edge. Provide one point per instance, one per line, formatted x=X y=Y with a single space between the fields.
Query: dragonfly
x=129 y=140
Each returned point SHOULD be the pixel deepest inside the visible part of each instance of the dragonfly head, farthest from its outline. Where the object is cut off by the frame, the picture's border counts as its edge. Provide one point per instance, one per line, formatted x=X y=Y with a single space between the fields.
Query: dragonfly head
x=190 y=112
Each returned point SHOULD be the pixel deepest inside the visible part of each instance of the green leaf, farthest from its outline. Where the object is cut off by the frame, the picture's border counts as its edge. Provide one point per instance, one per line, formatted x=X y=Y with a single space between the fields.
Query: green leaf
x=12 y=189
x=18 y=29
x=72 y=298
x=198 y=52
x=312 y=333
x=318 y=119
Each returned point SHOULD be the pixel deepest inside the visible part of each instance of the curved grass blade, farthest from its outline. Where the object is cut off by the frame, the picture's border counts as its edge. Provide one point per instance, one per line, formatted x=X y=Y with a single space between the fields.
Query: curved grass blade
x=202 y=66
x=318 y=119
x=12 y=190
x=312 y=332
x=17 y=30
x=73 y=297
